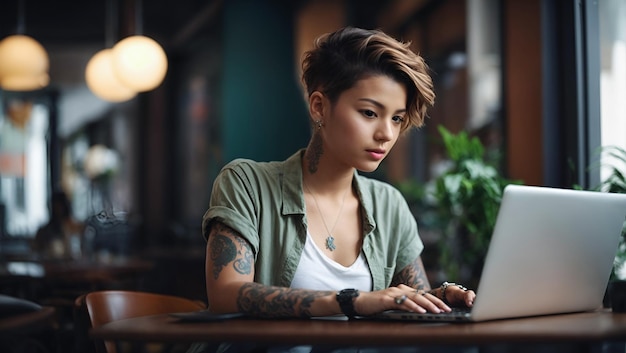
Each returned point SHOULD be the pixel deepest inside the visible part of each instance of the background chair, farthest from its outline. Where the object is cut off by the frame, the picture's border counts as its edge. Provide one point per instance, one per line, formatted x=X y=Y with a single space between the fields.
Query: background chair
x=25 y=326
x=95 y=309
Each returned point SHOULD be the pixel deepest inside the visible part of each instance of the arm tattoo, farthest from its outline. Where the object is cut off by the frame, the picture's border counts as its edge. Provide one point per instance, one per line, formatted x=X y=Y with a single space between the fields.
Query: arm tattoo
x=224 y=251
x=413 y=275
x=277 y=302
x=244 y=263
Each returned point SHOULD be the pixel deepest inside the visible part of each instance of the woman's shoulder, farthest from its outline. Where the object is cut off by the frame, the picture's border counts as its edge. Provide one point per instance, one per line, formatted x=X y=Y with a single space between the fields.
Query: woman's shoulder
x=259 y=174
x=250 y=166
x=241 y=164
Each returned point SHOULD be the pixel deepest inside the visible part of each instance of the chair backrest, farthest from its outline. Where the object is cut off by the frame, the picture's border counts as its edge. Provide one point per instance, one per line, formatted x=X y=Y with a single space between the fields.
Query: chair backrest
x=82 y=324
x=111 y=305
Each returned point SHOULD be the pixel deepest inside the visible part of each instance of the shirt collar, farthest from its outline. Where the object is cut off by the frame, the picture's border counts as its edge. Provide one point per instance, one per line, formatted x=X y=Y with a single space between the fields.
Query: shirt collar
x=293 y=197
x=291 y=185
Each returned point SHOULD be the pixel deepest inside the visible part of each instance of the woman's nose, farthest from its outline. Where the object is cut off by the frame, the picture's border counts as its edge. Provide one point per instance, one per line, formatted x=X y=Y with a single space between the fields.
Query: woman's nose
x=384 y=131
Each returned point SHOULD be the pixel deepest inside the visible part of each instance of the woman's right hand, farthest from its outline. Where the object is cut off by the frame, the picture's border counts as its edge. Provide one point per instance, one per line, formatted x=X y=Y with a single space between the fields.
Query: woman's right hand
x=401 y=297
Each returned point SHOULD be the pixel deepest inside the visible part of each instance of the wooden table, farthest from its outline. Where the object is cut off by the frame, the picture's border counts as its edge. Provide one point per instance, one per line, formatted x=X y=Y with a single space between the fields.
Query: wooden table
x=96 y=271
x=590 y=327
x=27 y=322
x=90 y=274
x=70 y=269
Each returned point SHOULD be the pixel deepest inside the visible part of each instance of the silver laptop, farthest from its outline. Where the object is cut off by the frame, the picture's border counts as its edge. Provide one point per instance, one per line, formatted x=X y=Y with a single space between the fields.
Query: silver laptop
x=551 y=252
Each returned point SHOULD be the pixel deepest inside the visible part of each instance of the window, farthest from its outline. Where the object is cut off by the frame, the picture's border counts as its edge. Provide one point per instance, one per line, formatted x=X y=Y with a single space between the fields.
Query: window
x=612 y=33
x=24 y=166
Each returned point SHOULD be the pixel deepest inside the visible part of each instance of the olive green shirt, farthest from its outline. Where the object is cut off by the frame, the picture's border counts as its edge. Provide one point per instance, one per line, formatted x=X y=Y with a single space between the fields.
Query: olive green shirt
x=264 y=202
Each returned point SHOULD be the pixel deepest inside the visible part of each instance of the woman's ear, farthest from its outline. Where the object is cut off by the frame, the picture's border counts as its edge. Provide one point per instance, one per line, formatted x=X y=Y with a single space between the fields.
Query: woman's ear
x=316 y=105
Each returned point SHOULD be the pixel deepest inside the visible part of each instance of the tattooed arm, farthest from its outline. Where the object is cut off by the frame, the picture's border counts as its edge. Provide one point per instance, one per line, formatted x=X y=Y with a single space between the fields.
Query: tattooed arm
x=414 y=276
x=231 y=287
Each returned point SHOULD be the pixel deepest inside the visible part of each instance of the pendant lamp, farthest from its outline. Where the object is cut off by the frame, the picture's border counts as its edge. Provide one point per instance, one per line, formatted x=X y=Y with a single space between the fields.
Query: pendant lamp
x=99 y=73
x=139 y=62
x=23 y=60
x=102 y=80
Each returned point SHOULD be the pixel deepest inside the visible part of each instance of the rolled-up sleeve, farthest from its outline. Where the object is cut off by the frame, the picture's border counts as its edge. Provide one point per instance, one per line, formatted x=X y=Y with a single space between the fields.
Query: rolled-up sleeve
x=233 y=203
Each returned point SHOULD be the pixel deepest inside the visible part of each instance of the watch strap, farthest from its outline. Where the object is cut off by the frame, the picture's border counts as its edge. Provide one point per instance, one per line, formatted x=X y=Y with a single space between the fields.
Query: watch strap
x=345 y=298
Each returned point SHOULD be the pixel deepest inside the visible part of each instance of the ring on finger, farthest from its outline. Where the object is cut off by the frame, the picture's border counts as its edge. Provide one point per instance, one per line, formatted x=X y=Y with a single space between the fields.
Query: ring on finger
x=399 y=300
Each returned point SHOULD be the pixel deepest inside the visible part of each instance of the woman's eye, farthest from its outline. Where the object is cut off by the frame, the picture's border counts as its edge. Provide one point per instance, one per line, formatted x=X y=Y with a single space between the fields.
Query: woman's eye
x=398 y=119
x=368 y=113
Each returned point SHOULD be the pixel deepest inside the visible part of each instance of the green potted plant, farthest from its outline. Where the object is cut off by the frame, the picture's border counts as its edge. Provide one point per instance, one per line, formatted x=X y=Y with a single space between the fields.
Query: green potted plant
x=461 y=204
x=616 y=182
x=615 y=296
x=467 y=198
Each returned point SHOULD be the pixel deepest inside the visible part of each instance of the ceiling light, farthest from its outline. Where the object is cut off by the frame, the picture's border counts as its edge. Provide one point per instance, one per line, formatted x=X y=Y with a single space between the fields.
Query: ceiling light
x=23 y=64
x=102 y=81
x=139 y=63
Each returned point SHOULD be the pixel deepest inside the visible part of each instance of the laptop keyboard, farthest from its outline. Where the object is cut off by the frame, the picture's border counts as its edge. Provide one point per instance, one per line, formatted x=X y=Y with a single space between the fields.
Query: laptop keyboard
x=457 y=314
x=460 y=312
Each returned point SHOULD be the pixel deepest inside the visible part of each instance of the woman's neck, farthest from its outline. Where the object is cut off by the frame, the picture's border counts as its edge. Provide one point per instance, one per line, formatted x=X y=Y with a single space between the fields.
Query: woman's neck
x=323 y=176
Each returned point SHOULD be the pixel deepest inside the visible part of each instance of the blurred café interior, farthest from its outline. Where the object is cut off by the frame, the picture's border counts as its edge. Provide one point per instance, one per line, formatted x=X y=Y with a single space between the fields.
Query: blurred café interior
x=540 y=83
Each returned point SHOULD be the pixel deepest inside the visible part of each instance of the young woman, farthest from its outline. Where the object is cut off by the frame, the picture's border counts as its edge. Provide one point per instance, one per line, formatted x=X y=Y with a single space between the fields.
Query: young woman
x=309 y=236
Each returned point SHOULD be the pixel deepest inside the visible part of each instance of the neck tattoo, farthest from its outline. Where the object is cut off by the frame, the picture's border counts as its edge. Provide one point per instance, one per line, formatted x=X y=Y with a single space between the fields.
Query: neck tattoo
x=330 y=240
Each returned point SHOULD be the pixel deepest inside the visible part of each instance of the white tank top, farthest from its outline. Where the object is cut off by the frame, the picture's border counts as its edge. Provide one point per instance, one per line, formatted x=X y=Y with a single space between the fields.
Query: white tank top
x=317 y=271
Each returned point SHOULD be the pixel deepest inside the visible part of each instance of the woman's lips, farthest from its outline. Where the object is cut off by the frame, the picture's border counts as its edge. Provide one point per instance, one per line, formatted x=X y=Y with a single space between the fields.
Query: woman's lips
x=376 y=154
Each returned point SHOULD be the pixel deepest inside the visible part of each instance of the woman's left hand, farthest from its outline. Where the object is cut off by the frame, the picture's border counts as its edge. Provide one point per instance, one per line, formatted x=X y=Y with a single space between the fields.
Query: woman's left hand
x=457 y=296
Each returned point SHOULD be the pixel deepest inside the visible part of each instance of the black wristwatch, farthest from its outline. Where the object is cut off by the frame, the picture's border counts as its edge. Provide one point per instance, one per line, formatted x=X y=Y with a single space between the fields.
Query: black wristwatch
x=345 y=298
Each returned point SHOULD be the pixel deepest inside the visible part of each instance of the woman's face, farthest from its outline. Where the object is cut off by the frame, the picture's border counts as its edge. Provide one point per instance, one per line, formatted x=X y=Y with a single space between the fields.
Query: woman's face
x=365 y=122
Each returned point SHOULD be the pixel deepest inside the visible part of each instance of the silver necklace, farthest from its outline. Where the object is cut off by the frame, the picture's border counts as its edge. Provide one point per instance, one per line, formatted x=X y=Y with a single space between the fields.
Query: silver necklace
x=330 y=240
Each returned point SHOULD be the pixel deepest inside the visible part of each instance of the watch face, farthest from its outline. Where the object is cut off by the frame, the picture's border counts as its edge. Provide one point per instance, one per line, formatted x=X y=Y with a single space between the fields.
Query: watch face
x=345 y=299
x=349 y=293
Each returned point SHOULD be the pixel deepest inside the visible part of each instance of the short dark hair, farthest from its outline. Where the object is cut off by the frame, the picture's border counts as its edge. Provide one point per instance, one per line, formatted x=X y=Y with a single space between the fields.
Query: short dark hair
x=342 y=58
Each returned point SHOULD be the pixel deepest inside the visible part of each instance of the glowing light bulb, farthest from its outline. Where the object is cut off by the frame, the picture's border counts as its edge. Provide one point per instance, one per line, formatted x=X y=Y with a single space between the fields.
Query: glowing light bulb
x=103 y=82
x=139 y=63
x=23 y=64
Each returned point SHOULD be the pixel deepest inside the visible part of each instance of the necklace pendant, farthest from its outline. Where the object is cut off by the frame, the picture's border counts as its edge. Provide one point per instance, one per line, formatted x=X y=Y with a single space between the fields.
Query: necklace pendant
x=330 y=243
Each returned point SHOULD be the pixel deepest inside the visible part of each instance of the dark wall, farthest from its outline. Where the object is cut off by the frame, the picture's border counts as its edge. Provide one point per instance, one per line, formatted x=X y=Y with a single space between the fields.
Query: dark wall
x=263 y=113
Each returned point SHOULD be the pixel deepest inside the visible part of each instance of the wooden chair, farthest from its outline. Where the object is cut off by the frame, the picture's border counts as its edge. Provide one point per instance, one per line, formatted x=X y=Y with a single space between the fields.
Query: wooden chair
x=95 y=309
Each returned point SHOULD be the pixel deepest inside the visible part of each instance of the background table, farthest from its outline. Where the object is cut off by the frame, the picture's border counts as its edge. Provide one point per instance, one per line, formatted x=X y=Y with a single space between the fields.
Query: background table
x=25 y=332
x=27 y=322
x=37 y=279
x=590 y=327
